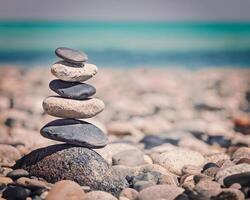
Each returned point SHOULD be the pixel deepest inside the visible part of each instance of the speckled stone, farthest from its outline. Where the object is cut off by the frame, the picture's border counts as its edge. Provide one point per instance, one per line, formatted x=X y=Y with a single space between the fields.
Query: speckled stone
x=176 y=159
x=75 y=132
x=70 y=108
x=74 y=73
x=71 y=55
x=64 y=162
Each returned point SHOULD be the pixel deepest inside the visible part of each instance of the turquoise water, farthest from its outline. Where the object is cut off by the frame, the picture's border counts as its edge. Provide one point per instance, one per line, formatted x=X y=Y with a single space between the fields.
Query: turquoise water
x=128 y=44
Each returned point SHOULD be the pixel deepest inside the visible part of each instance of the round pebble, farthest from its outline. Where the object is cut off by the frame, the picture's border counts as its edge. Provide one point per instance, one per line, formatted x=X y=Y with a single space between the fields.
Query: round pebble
x=69 y=108
x=75 y=132
x=129 y=158
x=74 y=73
x=33 y=184
x=167 y=192
x=17 y=173
x=66 y=190
x=98 y=195
x=71 y=55
x=8 y=155
x=176 y=159
x=72 y=90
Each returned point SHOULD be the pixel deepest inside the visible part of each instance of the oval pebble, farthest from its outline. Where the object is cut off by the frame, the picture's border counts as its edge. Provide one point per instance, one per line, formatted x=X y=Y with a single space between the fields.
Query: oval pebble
x=66 y=190
x=72 y=90
x=74 y=73
x=75 y=132
x=70 y=108
x=71 y=55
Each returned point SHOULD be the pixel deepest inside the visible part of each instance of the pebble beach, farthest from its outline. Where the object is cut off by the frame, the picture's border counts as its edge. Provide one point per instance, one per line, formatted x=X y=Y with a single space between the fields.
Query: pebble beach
x=172 y=134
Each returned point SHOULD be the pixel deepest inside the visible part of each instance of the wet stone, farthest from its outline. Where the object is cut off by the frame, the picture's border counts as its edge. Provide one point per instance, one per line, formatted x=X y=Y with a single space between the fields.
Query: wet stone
x=75 y=132
x=63 y=161
x=72 y=90
x=71 y=55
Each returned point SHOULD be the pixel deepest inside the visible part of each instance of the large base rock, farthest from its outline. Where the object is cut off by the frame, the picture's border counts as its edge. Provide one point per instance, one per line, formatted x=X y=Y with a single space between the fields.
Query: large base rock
x=79 y=164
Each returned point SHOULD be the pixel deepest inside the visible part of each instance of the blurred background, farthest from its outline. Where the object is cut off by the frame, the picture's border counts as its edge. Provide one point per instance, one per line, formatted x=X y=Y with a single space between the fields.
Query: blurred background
x=164 y=66
x=144 y=33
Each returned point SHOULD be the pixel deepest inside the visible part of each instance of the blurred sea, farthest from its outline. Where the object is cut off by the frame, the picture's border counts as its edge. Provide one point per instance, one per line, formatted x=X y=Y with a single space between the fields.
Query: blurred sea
x=128 y=44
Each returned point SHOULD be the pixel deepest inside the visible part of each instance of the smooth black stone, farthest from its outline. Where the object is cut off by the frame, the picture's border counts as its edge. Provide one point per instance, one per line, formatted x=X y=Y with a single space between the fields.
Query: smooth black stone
x=151 y=141
x=75 y=132
x=16 y=193
x=243 y=179
x=218 y=139
x=68 y=162
x=209 y=165
x=71 y=55
x=72 y=90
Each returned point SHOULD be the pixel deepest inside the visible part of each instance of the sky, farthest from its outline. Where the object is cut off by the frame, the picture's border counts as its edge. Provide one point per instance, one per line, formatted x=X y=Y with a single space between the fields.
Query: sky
x=127 y=10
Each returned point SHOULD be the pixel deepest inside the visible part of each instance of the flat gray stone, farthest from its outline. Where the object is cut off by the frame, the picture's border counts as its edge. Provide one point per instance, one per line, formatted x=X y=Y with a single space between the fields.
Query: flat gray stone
x=79 y=164
x=72 y=90
x=71 y=55
x=75 y=132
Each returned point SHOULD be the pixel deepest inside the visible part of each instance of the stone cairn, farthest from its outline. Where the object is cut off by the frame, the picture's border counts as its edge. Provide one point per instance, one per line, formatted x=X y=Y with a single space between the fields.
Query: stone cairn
x=75 y=159
x=73 y=102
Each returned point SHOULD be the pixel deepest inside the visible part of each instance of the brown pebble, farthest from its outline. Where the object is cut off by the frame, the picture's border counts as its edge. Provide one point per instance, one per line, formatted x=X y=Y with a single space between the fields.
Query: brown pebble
x=208 y=188
x=66 y=190
x=99 y=195
x=33 y=183
x=243 y=160
x=5 y=180
x=8 y=155
x=236 y=186
x=230 y=194
x=129 y=193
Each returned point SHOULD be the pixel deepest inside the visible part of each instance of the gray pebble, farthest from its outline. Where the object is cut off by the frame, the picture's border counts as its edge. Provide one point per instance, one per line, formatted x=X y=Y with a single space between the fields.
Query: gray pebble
x=75 y=132
x=71 y=55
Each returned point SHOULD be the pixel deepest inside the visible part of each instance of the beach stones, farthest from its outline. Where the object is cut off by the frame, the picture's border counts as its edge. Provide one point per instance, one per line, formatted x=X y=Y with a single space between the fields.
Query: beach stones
x=71 y=108
x=73 y=72
x=74 y=90
x=75 y=132
x=71 y=55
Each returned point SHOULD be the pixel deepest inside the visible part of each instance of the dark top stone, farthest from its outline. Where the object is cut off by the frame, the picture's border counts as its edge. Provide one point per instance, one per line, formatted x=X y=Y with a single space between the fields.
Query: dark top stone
x=243 y=179
x=209 y=165
x=71 y=55
x=16 y=193
x=79 y=164
x=72 y=90
x=75 y=132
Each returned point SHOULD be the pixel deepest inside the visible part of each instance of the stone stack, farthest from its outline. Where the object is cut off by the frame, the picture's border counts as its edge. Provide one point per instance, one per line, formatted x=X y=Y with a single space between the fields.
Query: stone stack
x=74 y=102
x=75 y=159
